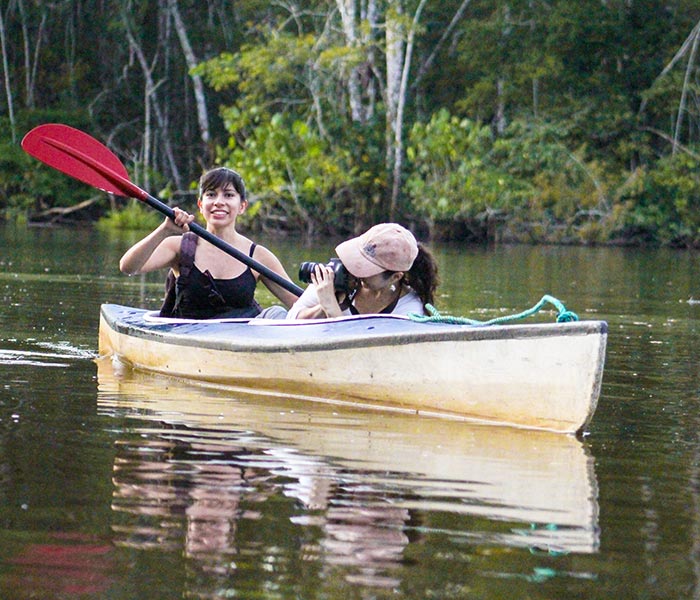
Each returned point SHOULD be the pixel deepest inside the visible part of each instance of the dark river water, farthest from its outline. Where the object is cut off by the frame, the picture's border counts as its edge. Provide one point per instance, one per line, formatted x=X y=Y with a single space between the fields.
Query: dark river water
x=115 y=484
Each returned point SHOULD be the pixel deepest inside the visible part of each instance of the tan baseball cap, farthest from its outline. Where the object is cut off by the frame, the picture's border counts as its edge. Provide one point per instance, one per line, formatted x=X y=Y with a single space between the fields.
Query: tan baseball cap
x=384 y=247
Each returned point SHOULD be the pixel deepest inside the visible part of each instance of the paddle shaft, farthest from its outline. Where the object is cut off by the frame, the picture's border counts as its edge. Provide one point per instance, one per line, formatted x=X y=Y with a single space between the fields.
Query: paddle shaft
x=131 y=190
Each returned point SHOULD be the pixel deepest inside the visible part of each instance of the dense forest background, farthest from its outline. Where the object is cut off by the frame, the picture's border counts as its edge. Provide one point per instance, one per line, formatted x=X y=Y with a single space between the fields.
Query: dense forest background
x=553 y=121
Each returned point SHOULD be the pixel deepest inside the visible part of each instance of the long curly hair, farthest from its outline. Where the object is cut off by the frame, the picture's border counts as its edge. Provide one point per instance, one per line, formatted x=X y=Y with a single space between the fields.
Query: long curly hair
x=423 y=275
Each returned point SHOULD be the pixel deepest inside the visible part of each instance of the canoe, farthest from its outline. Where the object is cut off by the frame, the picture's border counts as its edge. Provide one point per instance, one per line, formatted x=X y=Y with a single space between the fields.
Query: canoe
x=542 y=376
x=525 y=488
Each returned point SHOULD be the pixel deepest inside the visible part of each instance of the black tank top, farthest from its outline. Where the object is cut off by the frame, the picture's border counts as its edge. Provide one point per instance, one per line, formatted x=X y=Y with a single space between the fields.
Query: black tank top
x=198 y=295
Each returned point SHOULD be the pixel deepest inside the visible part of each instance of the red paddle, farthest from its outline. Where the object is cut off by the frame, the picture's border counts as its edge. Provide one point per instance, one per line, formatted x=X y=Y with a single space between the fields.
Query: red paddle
x=81 y=156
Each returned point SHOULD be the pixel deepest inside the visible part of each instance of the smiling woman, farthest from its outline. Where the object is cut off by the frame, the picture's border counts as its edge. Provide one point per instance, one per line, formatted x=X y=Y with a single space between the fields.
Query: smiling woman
x=203 y=282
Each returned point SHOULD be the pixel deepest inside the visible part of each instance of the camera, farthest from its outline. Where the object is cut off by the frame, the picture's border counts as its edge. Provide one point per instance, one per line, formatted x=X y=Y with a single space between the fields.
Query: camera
x=343 y=281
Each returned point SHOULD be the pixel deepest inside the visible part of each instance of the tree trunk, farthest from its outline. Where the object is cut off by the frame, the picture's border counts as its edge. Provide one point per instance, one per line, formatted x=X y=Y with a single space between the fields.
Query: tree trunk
x=71 y=51
x=679 y=54
x=191 y=60
x=425 y=67
x=8 y=88
x=359 y=23
x=152 y=98
x=370 y=16
x=147 y=136
x=684 y=92
x=30 y=65
x=499 y=119
x=394 y=62
x=348 y=16
x=396 y=98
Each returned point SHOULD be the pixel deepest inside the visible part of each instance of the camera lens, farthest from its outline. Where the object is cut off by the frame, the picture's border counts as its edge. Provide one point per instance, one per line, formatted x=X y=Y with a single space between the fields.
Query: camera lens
x=342 y=280
x=305 y=270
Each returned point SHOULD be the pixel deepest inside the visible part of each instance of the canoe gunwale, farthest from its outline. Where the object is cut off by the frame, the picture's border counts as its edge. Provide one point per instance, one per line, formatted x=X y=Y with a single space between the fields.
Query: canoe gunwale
x=167 y=332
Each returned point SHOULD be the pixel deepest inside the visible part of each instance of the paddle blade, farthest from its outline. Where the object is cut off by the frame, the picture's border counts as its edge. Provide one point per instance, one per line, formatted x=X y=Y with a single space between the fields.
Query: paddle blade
x=81 y=156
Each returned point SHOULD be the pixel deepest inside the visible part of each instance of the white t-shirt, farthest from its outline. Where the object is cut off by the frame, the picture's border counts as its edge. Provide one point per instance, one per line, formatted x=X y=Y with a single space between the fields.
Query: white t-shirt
x=408 y=303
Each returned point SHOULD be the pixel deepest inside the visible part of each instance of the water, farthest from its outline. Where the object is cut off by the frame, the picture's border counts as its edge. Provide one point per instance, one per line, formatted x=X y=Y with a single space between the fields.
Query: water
x=116 y=484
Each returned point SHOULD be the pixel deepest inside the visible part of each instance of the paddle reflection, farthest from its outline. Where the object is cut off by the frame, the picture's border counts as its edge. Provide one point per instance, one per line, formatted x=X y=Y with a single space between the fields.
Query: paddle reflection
x=64 y=566
x=296 y=483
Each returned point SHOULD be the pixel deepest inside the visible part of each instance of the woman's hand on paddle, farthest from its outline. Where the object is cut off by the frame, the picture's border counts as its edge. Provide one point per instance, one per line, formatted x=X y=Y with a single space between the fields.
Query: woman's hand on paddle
x=160 y=248
x=180 y=221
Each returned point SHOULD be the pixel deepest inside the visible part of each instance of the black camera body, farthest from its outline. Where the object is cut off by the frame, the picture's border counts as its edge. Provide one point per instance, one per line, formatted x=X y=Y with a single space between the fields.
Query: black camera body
x=343 y=281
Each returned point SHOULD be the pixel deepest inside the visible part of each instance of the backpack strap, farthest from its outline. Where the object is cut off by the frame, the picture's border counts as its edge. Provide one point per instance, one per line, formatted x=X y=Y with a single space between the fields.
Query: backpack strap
x=188 y=247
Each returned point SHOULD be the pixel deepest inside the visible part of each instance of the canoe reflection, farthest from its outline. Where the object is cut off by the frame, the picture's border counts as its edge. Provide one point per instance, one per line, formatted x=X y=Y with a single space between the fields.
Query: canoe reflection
x=368 y=484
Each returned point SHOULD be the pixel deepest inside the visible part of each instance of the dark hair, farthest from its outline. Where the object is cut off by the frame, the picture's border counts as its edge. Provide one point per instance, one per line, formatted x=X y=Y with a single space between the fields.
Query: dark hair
x=220 y=177
x=423 y=275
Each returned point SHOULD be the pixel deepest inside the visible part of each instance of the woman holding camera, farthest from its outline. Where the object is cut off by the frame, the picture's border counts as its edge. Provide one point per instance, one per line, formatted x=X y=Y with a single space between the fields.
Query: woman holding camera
x=207 y=282
x=390 y=274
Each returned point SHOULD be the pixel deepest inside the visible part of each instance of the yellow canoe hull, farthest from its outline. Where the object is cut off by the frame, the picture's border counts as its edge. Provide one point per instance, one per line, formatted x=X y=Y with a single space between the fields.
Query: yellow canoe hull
x=542 y=376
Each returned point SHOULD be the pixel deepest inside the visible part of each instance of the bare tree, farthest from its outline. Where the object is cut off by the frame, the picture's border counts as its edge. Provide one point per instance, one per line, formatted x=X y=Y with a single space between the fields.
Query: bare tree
x=359 y=23
x=695 y=35
x=31 y=64
x=399 y=53
x=6 y=71
x=690 y=44
x=151 y=101
x=191 y=61
x=499 y=120
x=447 y=32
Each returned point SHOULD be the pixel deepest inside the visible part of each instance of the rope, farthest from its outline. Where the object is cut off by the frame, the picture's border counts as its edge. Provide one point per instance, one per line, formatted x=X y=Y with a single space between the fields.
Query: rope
x=434 y=316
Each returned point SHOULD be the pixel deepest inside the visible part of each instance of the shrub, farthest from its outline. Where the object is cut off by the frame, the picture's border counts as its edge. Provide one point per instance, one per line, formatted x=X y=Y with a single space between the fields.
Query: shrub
x=134 y=216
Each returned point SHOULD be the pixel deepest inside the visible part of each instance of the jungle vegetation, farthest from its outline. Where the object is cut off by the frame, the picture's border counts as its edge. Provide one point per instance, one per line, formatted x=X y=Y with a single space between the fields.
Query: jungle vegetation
x=546 y=121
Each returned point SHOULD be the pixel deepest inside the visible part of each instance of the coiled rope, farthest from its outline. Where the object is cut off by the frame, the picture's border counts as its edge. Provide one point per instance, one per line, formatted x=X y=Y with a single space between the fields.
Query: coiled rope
x=434 y=316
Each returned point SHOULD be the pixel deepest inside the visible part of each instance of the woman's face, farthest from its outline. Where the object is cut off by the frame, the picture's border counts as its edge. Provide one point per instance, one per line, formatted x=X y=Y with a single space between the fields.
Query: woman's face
x=380 y=280
x=221 y=206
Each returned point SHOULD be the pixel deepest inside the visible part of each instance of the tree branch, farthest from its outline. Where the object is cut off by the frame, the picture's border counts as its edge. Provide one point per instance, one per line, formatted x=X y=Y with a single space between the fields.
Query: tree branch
x=428 y=63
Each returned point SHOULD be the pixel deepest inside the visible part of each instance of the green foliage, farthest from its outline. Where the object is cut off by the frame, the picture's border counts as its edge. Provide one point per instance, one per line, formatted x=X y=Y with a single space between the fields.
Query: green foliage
x=133 y=217
x=451 y=178
x=461 y=173
x=307 y=165
x=292 y=173
x=269 y=79
x=664 y=205
x=28 y=186
x=534 y=120
x=563 y=180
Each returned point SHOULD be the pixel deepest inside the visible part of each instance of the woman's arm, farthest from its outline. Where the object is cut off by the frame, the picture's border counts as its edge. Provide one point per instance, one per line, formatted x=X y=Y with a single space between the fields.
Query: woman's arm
x=159 y=249
x=267 y=258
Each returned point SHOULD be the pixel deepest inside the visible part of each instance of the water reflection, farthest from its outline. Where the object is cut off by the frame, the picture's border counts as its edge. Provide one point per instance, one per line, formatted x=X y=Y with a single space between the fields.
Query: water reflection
x=175 y=476
x=57 y=455
x=217 y=476
x=64 y=566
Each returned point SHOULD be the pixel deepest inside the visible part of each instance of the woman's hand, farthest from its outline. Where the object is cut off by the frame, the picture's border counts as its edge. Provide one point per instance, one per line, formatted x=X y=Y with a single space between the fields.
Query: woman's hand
x=180 y=221
x=159 y=248
x=323 y=278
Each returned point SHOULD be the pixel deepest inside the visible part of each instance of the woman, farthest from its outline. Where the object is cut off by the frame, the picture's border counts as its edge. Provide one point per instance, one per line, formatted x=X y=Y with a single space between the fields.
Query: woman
x=394 y=274
x=208 y=282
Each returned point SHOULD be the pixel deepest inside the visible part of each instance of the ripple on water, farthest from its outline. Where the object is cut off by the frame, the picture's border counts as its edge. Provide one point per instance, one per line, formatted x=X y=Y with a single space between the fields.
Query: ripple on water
x=46 y=354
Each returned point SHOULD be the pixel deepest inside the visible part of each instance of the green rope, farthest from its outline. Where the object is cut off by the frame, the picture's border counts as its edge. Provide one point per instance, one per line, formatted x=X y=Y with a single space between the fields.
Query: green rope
x=434 y=315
